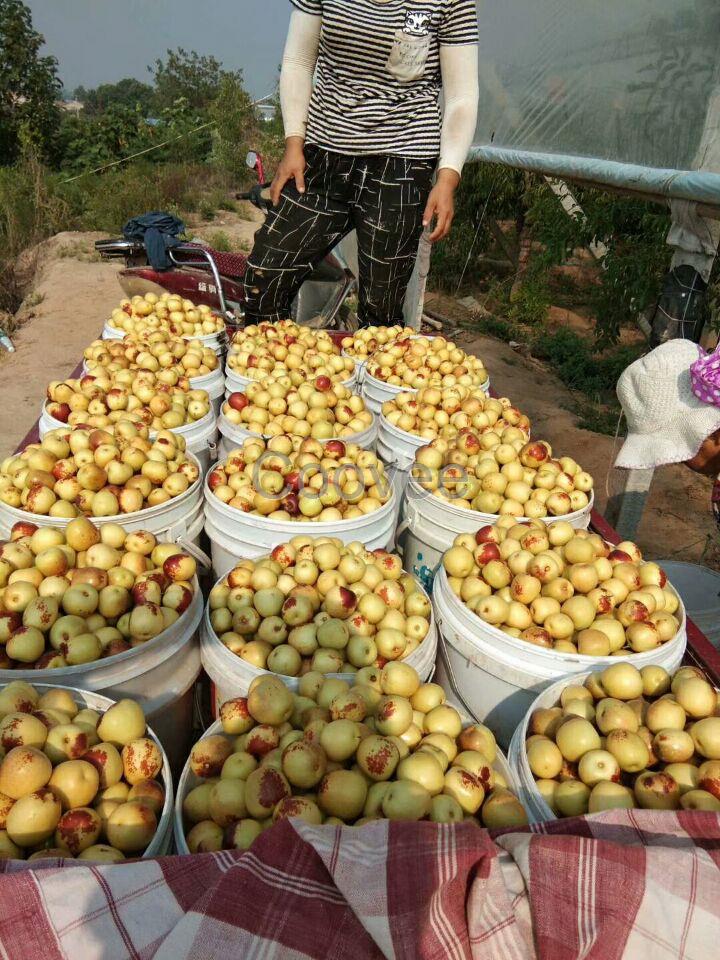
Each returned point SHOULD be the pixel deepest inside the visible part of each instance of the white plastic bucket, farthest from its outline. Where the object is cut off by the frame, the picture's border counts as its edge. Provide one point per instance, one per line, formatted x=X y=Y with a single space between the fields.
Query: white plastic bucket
x=235 y=535
x=158 y=674
x=396 y=449
x=376 y=392
x=429 y=525
x=200 y=437
x=188 y=781
x=234 y=383
x=161 y=843
x=112 y=333
x=535 y=804
x=537 y=809
x=179 y=520
x=214 y=383
x=699 y=588
x=215 y=341
x=359 y=364
x=232 y=675
x=234 y=436
x=396 y=446
x=497 y=677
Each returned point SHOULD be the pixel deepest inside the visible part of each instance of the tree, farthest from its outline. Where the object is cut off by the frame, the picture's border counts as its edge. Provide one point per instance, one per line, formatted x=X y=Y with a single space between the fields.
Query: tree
x=89 y=140
x=29 y=85
x=236 y=126
x=189 y=76
x=128 y=92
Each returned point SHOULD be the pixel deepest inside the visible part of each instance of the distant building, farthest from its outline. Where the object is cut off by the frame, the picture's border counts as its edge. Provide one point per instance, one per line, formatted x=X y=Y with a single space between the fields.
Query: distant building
x=71 y=106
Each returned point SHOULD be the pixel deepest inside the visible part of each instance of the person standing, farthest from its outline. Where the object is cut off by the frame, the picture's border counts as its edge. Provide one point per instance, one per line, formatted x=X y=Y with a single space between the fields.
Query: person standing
x=363 y=144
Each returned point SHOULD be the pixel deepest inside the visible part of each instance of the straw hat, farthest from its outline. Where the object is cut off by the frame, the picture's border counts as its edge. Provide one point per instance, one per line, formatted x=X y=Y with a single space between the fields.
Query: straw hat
x=660 y=396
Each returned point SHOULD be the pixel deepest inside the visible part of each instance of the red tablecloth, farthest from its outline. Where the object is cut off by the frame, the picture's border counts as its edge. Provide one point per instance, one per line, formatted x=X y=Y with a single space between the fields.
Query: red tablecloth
x=622 y=885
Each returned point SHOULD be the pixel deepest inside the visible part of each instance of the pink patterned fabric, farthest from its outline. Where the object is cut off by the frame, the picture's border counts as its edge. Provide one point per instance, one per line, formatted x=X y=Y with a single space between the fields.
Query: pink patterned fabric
x=705 y=377
x=623 y=885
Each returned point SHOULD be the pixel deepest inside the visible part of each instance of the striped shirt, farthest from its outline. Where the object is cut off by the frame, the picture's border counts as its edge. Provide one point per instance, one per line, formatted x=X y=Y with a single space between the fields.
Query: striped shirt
x=378 y=80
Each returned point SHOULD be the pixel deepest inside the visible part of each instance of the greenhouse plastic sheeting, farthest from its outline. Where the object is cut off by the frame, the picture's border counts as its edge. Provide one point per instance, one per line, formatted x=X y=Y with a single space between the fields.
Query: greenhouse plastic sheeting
x=566 y=85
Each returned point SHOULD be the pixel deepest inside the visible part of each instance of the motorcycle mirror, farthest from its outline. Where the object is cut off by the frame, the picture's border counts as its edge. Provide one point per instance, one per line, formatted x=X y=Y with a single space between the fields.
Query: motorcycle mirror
x=251 y=159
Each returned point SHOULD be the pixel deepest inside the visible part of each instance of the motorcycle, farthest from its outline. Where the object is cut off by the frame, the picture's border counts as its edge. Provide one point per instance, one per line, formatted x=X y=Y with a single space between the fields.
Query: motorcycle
x=215 y=278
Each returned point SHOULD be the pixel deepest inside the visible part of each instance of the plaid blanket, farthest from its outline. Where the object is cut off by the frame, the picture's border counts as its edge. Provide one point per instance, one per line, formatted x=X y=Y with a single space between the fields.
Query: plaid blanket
x=624 y=884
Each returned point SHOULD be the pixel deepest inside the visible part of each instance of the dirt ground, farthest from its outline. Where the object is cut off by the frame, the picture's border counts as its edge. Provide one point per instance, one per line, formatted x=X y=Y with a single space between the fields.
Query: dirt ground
x=238 y=228
x=74 y=295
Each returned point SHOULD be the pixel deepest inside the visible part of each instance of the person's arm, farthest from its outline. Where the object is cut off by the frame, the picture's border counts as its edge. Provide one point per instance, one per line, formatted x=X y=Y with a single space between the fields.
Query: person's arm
x=459 y=66
x=458 y=37
x=296 y=84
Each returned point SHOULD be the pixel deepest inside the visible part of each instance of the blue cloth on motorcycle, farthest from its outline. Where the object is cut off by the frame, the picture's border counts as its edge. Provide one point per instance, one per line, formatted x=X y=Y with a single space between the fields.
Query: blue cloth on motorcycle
x=158 y=232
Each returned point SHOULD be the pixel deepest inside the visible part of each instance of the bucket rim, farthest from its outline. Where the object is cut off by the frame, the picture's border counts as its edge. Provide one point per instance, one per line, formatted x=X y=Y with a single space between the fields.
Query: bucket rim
x=204 y=338
x=521 y=768
x=412 y=439
x=395 y=388
x=194 y=613
x=218 y=373
x=80 y=696
x=222 y=421
x=256 y=520
x=209 y=635
x=194 y=491
x=246 y=381
x=204 y=422
x=442 y=594
x=215 y=729
x=488 y=519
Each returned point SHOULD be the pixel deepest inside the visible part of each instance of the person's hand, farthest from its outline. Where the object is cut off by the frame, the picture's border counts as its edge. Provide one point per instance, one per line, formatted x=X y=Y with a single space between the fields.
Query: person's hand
x=441 y=204
x=292 y=166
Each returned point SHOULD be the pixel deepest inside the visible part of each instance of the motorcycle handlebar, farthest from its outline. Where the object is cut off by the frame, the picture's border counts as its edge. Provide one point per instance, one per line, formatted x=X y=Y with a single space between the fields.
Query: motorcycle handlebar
x=253 y=192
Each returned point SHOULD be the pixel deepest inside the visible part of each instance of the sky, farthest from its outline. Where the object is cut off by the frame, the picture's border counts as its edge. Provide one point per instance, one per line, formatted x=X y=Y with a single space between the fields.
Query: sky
x=102 y=41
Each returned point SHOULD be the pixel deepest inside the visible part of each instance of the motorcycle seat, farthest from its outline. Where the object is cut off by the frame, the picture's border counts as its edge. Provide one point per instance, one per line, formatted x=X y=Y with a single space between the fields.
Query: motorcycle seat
x=233 y=265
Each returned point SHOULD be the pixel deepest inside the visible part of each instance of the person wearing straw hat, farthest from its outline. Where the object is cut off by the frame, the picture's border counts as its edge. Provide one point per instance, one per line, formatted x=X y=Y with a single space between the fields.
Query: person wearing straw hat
x=671 y=401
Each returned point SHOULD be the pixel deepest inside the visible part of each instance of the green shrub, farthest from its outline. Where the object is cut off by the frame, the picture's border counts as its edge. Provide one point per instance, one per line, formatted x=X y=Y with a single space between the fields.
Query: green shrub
x=574 y=361
x=235 y=128
x=106 y=201
x=632 y=229
x=486 y=190
x=532 y=301
x=30 y=211
x=219 y=240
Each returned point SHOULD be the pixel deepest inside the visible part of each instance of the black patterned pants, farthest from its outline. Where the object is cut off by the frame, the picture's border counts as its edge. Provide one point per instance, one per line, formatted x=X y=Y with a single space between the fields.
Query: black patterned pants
x=382 y=197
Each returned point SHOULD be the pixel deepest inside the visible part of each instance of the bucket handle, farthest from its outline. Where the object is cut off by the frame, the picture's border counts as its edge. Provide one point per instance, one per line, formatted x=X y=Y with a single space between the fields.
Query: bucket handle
x=178 y=534
x=404 y=463
x=213 y=448
x=402 y=527
x=442 y=654
x=202 y=558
